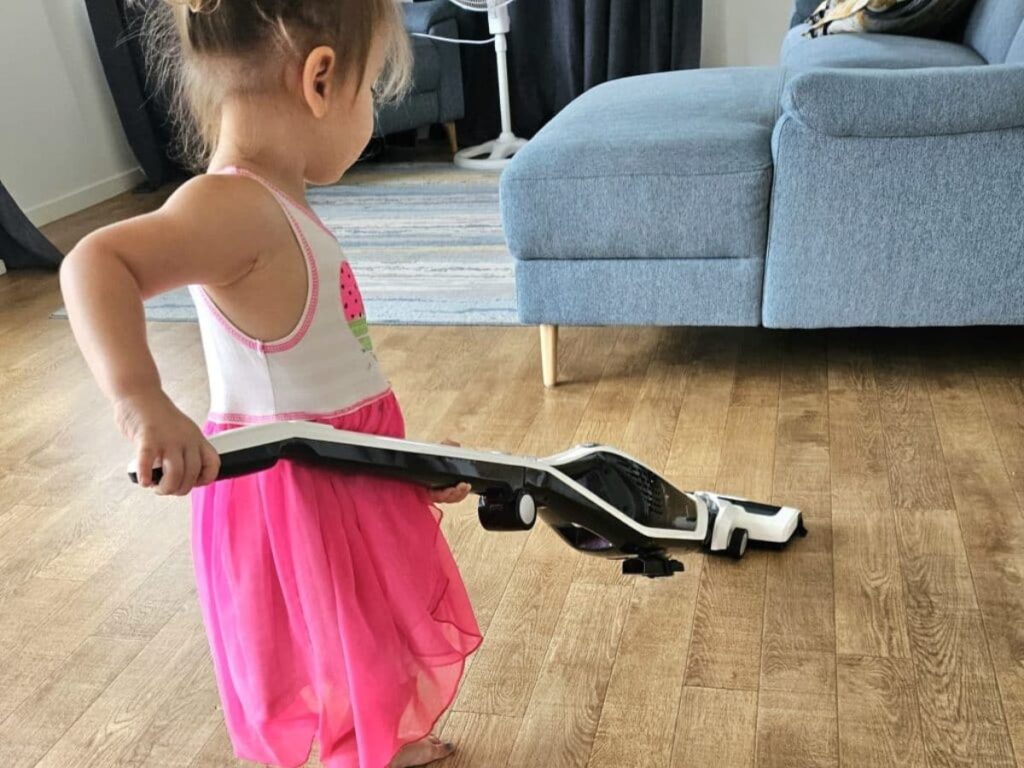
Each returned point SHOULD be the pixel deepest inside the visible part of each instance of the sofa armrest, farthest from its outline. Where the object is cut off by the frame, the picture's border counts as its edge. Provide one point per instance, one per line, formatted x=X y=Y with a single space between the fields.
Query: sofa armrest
x=421 y=17
x=884 y=103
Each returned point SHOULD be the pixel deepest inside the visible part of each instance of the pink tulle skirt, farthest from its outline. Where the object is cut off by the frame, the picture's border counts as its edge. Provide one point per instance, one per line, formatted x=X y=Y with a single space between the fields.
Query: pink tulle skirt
x=333 y=606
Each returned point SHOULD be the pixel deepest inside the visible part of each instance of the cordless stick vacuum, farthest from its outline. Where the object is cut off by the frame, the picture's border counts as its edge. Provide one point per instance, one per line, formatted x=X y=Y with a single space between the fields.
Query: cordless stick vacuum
x=599 y=500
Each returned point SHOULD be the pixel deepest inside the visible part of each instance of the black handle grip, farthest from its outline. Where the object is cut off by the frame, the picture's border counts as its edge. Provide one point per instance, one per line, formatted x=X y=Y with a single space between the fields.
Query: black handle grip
x=231 y=471
x=158 y=475
x=232 y=464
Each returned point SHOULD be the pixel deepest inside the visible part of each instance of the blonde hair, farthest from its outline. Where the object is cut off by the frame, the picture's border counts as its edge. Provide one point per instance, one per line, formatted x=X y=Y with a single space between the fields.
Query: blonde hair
x=199 y=52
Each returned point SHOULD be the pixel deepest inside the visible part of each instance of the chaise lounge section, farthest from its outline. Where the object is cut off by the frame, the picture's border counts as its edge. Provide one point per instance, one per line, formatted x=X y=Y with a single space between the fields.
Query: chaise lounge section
x=870 y=180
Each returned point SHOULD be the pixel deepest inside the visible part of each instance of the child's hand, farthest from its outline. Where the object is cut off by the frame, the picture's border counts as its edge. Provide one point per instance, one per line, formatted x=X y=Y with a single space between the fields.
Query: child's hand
x=165 y=436
x=451 y=495
x=454 y=494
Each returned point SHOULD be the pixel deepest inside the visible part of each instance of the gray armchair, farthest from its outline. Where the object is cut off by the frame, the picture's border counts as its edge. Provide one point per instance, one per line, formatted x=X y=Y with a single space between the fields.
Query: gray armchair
x=436 y=95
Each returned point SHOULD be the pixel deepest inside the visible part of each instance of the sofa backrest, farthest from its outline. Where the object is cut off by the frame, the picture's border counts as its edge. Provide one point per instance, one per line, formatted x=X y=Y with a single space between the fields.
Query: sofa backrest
x=801 y=10
x=993 y=27
x=1016 y=53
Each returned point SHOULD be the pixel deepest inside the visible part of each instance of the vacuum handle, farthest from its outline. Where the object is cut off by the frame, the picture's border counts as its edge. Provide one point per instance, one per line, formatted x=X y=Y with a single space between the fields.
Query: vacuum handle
x=158 y=475
x=237 y=464
x=233 y=464
x=430 y=471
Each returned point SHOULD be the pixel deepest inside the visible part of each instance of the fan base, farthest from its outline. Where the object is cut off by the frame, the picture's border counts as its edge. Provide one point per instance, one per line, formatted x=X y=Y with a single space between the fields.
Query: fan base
x=491 y=155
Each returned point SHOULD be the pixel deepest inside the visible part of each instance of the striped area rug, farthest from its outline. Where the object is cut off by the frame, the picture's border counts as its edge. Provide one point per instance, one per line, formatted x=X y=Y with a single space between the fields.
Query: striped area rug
x=424 y=240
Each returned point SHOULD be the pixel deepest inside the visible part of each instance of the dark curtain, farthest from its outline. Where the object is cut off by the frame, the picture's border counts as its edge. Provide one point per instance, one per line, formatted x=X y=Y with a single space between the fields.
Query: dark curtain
x=115 y=27
x=22 y=246
x=557 y=50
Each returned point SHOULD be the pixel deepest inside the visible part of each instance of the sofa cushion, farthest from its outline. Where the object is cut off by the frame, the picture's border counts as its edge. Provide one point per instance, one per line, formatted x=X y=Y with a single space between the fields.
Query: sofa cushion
x=666 y=166
x=701 y=292
x=872 y=50
x=992 y=27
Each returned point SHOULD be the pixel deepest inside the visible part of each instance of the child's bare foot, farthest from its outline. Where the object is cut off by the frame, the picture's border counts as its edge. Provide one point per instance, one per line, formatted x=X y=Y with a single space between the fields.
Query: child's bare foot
x=422 y=752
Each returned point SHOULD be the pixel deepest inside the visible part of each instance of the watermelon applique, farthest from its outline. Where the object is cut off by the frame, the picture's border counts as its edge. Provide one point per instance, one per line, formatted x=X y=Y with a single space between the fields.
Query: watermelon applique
x=352 y=305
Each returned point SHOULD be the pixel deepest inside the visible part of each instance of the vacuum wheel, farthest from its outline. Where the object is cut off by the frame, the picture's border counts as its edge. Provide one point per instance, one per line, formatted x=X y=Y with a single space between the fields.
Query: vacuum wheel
x=516 y=511
x=738 y=541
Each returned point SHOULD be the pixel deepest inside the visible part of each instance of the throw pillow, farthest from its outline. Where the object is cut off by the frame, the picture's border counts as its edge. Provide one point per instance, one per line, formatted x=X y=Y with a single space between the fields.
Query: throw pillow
x=921 y=18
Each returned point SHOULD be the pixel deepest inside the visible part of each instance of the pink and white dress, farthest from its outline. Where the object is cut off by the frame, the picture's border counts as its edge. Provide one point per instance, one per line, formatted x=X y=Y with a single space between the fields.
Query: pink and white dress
x=334 y=609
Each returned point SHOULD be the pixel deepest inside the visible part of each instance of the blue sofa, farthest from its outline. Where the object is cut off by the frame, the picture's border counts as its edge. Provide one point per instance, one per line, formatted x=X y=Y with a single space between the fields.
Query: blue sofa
x=870 y=180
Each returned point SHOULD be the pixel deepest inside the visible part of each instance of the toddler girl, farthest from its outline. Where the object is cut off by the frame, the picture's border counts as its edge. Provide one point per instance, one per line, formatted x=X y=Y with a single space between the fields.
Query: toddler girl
x=333 y=608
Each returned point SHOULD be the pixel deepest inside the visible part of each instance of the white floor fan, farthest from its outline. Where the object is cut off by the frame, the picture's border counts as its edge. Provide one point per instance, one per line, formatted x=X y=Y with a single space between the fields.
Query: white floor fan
x=493 y=155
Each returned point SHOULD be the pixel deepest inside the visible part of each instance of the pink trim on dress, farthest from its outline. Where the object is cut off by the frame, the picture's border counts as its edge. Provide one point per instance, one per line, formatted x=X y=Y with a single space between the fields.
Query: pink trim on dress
x=250 y=419
x=312 y=298
x=312 y=295
x=310 y=213
x=226 y=324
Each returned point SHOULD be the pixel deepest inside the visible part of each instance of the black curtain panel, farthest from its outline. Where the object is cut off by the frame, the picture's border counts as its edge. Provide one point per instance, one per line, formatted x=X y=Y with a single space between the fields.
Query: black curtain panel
x=143 y=113
x=558 y=50
x=22 y=246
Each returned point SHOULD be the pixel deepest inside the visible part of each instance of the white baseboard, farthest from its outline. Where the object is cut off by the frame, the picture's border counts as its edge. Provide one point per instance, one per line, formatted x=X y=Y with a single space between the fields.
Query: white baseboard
x=80 y=199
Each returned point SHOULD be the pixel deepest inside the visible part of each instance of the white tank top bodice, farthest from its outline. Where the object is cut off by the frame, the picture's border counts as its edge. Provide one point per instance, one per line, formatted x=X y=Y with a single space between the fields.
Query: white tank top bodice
x=323 y=368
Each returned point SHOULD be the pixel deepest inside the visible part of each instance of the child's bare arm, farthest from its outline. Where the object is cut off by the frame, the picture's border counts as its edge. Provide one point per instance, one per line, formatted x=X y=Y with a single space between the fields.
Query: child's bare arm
x=208 y=233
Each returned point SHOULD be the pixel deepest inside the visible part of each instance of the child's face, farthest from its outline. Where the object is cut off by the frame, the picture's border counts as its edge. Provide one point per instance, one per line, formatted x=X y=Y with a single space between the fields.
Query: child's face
x=346 y=128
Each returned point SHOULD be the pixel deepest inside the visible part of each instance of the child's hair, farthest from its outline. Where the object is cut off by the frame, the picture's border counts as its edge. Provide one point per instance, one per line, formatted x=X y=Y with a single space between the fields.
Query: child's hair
x=199 y=52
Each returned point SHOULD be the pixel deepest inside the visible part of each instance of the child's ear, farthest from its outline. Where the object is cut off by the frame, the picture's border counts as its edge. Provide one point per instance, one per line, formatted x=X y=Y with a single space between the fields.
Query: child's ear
x=318 y=79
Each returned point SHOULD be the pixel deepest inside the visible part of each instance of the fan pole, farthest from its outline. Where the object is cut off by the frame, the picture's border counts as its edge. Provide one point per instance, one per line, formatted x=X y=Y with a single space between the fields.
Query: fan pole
x=494 y=155
x=501 y=52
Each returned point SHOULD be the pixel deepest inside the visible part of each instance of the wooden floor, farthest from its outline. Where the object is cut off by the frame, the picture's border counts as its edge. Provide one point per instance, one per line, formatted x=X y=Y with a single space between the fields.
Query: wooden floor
x=892 y=636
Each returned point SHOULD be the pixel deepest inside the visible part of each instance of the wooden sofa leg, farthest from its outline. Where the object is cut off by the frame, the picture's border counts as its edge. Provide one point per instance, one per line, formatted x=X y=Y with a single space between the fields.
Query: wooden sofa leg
x=549 y=354
x=453 y=139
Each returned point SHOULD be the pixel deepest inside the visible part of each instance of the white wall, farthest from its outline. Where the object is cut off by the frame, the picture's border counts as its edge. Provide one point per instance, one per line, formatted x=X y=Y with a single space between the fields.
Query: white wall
x=741 y=33
x=62 y=148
